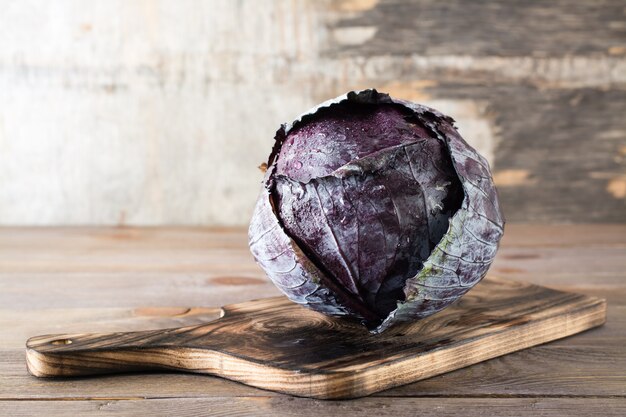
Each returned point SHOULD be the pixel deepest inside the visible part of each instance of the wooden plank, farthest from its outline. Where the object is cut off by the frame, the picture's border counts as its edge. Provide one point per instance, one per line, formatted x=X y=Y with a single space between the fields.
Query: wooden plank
x=208 y=238
x=551 y=370
x=496 y=27
x=132 y=267
x=126 y=289
x=561 y=182
x=189 y=250
x=174 y=290
x=564 y=235
x=576 y=265
x=314 y=356
x=136 y=238
x=585 y=266
x=540 y=85
x=302 y=407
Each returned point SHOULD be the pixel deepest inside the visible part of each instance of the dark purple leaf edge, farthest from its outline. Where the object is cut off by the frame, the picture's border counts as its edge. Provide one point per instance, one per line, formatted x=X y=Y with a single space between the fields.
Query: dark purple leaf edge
x=457 y=263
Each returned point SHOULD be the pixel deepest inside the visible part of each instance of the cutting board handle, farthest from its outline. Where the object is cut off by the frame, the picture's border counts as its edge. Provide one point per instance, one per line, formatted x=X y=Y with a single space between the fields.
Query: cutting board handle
x=91 y=354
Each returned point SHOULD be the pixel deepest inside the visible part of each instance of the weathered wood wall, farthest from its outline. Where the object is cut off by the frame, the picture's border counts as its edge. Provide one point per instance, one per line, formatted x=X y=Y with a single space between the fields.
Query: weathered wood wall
x=159 y=112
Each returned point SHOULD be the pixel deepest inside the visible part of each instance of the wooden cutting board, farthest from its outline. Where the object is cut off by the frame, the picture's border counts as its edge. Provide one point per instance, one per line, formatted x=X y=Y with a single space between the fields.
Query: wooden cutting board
x=277 y=345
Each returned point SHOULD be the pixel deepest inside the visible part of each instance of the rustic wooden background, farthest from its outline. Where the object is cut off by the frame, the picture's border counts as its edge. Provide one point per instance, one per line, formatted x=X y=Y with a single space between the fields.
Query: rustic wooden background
x=159 y=112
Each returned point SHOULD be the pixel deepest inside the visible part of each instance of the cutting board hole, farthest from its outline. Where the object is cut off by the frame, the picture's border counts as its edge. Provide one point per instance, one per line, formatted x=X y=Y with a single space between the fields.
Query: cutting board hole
x=61 y=342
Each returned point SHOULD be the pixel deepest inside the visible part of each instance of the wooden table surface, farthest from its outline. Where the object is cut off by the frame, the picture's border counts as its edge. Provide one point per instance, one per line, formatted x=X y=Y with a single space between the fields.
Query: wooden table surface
x=117 y=279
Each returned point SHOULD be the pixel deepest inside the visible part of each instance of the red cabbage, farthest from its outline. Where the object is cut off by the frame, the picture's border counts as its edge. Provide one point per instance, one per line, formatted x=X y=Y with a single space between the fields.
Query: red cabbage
x=375 y=209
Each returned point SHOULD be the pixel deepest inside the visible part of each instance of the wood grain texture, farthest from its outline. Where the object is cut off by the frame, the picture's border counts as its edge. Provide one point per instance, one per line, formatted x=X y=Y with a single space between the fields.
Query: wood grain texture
x=300 y=407
x=83 y=280
x=153 y=113
x=545 y=371
x=276 y=345
x=546 y=80
x=215 y=251
x=188 y=267
x=540 y=371
x=496 y=27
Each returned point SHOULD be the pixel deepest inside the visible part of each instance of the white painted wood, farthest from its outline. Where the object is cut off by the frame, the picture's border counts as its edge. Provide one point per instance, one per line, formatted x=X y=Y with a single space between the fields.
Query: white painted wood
x=159 y=112
x=142 y=112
